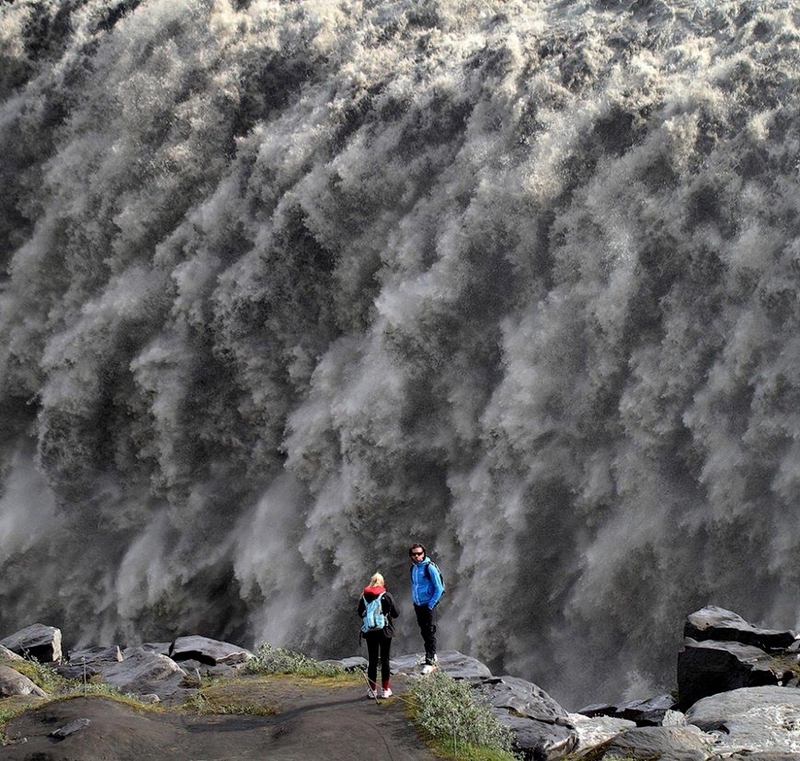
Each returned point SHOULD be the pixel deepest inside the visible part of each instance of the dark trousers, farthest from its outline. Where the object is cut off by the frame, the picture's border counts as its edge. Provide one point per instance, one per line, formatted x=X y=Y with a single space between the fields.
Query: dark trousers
x=378 y=648
x=426 y=618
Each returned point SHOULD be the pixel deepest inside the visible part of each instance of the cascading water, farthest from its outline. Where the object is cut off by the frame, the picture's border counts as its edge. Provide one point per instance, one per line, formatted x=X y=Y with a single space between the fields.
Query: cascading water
x=289 y=285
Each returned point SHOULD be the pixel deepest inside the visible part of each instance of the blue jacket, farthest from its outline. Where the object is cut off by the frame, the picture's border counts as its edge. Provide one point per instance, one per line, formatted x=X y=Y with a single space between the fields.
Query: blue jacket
x=426 y=585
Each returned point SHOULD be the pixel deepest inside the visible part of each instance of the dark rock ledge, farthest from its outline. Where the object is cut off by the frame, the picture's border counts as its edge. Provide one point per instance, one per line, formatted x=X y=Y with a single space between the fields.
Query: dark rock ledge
x=735 y=695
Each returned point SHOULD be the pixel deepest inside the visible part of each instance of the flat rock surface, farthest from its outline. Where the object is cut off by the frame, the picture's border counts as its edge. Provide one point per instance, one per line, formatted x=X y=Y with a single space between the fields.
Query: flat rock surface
x=312 y=721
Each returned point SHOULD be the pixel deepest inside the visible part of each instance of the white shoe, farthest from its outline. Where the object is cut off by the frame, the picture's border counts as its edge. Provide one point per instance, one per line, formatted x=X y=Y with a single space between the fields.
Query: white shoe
x=371 y=693
x=428 y=668
x=387 y=693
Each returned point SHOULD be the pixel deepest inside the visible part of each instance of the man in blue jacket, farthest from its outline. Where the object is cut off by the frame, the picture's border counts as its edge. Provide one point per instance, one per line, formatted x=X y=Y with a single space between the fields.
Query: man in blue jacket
x=426 y=591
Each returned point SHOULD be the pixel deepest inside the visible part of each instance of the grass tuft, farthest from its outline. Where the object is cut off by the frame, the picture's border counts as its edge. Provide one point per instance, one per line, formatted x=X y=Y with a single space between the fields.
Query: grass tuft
x=277 y=660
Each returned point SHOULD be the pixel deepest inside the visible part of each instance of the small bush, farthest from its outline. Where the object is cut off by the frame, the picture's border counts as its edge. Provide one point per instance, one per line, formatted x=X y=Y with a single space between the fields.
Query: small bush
x=458 y=720
x=277 y=660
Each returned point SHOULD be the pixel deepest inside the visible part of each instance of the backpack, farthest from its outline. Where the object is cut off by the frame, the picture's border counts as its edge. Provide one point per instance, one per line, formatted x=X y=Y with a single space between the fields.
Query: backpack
x=374 y=617
x=428 y=574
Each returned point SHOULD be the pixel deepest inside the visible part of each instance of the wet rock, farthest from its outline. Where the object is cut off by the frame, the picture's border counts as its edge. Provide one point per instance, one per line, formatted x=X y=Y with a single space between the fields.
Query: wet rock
x=14 y=683
x=37 y=641
x=211 y=652
x=673 y=743
x=764 y=719
x=709 y=667
x=596 y=730
x=644 y=713
x=713 y=623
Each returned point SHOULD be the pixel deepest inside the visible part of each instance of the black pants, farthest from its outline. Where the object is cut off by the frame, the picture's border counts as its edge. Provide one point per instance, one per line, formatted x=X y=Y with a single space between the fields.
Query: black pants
x=378 y=648
x=426 y=618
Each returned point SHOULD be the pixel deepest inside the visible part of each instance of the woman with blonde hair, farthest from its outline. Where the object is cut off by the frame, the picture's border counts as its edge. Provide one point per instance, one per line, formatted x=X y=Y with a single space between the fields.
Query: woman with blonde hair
x=378 y=610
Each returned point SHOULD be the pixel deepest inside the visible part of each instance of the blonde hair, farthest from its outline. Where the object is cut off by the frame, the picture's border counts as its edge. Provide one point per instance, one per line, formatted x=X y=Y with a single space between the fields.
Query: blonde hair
x=377 y=580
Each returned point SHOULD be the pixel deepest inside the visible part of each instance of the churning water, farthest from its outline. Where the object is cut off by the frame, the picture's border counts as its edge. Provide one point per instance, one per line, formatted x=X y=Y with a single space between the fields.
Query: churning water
x=289 y=285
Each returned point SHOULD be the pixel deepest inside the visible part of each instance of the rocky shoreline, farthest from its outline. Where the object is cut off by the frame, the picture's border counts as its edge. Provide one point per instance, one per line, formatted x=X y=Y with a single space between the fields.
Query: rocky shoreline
x=736 y=693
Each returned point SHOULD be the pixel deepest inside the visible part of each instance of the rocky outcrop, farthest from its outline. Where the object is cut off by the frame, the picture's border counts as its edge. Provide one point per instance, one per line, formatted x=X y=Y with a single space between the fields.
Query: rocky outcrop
x=37 y=641
x=765 y=719
x=713 y=623
x=542 y=728
x=737 y=696
x=453 y=663
x=722 y=652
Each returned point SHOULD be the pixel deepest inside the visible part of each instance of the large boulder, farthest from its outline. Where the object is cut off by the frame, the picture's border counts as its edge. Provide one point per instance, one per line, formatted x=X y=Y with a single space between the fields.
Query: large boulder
x=542 y=728
x=723 y=625
x=37 y=641
x=706 y=668
x=143 y=673
x=207 y=651
x=13 y=683
x=751 y=719
x=8 y=655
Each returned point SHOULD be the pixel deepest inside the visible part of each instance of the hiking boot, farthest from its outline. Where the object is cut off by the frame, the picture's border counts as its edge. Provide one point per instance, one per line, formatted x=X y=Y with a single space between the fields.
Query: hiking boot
x=387 y=693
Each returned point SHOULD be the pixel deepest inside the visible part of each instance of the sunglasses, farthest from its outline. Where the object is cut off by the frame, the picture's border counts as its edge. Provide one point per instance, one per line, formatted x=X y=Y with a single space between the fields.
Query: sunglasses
x=417 y=554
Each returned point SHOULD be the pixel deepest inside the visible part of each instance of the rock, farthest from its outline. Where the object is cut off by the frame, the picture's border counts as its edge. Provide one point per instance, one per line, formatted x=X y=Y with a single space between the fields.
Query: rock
x=675 y=743
x=706 y=668
x=95 y=654
x=542 y=728
x=162 y=648
x=596 y=730
x=644 y=713
x=723 y=625
x=209 y=651
x=538 y=740
x=69 y=729
x=452 y=662
x=222 y=670
x=758 y=719
x=141 y=672
x=14 y=683
x=354 y=663
x=88 y=662
x=8 y=655
x=37 y=641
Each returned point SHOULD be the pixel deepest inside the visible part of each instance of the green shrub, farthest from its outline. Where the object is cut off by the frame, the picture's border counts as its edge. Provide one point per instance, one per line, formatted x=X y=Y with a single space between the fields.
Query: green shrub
x=458 y=720
x=277 y=660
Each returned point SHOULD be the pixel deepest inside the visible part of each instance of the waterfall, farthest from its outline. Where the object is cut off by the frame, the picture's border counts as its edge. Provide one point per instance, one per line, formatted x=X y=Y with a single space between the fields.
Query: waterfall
x=288 y=286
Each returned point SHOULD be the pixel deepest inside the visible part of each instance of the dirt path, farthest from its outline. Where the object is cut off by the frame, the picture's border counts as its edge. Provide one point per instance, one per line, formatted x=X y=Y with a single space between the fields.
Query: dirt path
x=312 y=722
